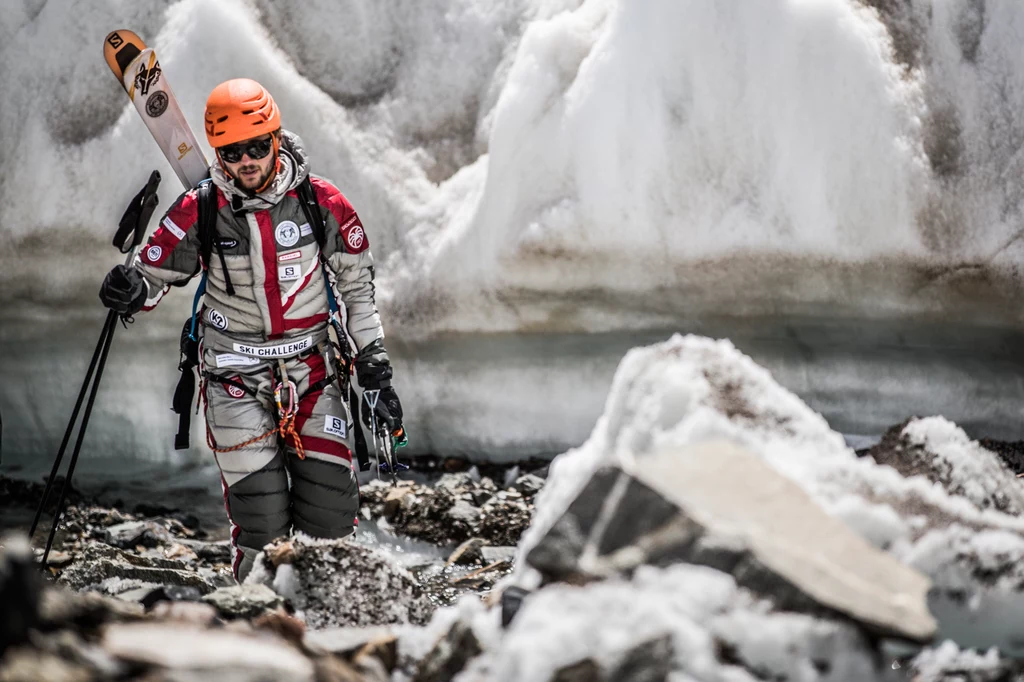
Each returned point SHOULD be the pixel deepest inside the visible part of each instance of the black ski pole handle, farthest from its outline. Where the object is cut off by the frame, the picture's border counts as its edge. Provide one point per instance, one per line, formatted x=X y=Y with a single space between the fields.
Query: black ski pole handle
x=131 y=229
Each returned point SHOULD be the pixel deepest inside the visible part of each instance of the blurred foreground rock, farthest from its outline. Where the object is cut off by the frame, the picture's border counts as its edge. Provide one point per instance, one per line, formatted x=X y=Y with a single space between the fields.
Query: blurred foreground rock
x=717 y=505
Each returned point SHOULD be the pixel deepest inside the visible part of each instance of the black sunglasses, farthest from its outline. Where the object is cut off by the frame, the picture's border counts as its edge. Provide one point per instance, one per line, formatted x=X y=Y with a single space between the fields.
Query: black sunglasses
x=256 y=149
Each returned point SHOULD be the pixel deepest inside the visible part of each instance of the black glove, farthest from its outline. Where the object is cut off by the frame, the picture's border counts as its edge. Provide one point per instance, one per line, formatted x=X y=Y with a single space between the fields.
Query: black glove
x=123 y=291
x=388 y=409
x=376 y=376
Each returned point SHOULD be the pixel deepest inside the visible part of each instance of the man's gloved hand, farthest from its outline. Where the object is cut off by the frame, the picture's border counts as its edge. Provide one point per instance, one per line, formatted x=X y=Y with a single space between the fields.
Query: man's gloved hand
x=375 y=375
x=123 y=291
x=388 y=410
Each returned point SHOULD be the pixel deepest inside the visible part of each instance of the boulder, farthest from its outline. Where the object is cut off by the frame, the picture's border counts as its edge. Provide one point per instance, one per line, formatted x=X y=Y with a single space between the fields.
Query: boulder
x=941 y=452
x=133 y=534
x=196 y=654
x=450 y=654
x=717 y=505
x=98 y=563
x=243 y=601
x=340 y=583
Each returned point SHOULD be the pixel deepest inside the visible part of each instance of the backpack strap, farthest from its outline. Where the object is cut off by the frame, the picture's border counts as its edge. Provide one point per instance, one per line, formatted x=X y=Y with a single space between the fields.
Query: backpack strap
x=311 y=209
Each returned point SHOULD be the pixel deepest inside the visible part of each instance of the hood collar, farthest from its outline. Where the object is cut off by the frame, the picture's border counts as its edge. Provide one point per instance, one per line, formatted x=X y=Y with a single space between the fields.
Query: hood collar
x=294 y=169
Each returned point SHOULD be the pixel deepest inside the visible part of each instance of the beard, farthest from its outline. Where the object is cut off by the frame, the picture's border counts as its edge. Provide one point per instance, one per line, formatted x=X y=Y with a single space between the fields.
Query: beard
x=251 y=183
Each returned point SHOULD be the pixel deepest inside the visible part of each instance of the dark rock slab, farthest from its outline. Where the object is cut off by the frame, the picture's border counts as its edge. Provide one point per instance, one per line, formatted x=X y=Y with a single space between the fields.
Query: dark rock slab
x=715 y=504
x=244 y=601
x=450 y=655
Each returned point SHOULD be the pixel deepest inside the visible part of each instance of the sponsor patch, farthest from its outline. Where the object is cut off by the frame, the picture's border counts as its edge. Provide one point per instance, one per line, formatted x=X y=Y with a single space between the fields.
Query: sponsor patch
x=215 y=319
x=234 y=391
x=291 y=255
x=156 y=104
x=234 y=360
x=153 y=253
x=281 y=351
x=287 y=234
x=227 y=243
x=173 y=229
x=335 y=426
x=305 y=230
x=289 y=273
x=355 y=238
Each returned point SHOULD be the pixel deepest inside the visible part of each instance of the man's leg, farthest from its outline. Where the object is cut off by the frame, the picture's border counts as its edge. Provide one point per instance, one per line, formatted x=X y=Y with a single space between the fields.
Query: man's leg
x=253 y=477
x=325 y=493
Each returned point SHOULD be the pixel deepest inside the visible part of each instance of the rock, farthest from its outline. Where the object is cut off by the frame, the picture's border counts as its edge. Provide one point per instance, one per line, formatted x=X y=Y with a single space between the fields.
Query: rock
x=650 y=661
x=212 y=552
x=383 y=649
x=480 y=497
x=581 y=671
x=346 y=642
x=281 y=553
x=20 y=591
x=196 y=613
x=455 y=483
x=330 y=669
x=243 y=601
x=98 y=563
x=286 y=626
x=463 y=512
x=450 y=655
x=717 y=505
x=941 y=452
x=491 y=554
x=467 y=553
x=398 y=498
x=135 y=533
x=86 y=612
x=529 y=485
x=511 y=599
x=150 y=595
x=207 y=655
x=28 y=665
x=340 y=583
x=181 y=552
x=59 y=559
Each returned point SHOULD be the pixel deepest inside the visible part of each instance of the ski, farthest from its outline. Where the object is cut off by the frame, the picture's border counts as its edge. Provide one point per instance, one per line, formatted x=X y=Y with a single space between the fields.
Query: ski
x=138 y=70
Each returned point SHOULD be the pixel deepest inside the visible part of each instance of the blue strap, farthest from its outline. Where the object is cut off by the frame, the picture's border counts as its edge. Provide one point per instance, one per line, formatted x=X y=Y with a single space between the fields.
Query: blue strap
x=200 y=290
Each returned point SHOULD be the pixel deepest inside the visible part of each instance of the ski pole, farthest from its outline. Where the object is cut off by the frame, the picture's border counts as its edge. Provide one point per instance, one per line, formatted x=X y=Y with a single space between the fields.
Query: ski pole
x=131 y=230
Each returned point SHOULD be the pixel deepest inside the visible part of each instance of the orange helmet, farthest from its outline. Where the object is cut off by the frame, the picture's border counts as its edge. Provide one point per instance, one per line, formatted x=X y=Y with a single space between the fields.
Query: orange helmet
x=240 y=109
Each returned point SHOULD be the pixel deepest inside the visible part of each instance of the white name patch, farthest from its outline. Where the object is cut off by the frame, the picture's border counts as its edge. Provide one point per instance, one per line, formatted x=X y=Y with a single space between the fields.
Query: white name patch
x=335 y=426
x=289 y=273
x=305 y=230
x=232 y=360
x=174 y=229
x=291 y=255
x=284 y=350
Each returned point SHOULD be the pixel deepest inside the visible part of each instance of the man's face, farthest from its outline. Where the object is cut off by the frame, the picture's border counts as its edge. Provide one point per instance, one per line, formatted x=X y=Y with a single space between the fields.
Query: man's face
x=249 y=162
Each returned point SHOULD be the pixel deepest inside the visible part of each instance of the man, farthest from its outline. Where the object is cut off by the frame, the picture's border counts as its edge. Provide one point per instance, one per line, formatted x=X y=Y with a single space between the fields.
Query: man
x=271 y=410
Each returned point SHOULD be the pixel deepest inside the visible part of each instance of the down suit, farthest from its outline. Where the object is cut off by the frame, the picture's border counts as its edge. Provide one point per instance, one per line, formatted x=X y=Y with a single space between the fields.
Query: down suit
x=274 y=328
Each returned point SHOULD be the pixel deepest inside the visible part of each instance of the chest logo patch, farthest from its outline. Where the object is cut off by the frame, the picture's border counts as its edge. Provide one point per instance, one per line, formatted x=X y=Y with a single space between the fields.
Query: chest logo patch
x=233 y=390
x=335 y=426
x=287 y=234
x=291 y=255
x=153 y=253
x=355 y=238
x=216 y=319
x=289 y=273
x=227 y=243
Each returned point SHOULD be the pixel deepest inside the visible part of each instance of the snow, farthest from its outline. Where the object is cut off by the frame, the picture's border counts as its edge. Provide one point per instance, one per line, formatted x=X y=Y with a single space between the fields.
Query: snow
x=978 y=474
x=563 y=147
x=693 y=389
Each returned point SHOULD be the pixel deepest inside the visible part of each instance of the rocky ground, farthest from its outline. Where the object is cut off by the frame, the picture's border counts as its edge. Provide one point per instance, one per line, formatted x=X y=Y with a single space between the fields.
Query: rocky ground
x=148 y=594
x=118 y=584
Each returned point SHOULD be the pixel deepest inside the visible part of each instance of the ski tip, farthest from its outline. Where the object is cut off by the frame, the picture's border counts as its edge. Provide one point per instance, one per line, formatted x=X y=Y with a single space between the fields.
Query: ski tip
x=120 y=47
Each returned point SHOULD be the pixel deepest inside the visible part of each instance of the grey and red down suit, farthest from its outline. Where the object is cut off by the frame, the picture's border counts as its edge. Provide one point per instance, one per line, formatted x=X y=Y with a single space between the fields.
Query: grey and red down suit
x=279 y=311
